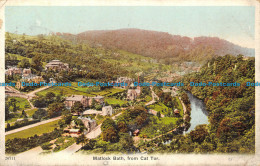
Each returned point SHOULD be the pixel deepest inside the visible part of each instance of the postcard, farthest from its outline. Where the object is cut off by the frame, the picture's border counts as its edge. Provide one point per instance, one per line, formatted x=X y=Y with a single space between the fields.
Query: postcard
x=129 y=83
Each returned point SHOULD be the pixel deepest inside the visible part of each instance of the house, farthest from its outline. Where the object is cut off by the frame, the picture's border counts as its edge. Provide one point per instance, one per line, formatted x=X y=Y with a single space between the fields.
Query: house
x=176 y=112
x=85 y=101
x=74 y=131
x=28 y=79
x=56 y=65
x=26 y=72
x=13 y=71
x=107 y=110
x=132 y=94
x=89 y=123
x=136 y=132
x=127 y=81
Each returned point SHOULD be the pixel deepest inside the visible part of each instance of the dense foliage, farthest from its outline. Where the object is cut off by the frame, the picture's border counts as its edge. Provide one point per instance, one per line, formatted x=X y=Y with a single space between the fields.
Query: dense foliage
x=19 y=145
x=80 y=57
x=231 y=108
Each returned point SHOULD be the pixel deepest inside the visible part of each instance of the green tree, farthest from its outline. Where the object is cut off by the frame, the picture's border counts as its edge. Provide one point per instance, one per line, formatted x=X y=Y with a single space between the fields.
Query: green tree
x=24 y=63
x=108 y=123
x=77 y=108
x=110 y=134
x=126 y=141
x=55 y=109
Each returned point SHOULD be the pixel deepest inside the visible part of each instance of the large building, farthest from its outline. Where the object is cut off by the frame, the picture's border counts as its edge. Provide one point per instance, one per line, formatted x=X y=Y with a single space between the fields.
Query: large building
x=89 y=123
x=14 y=70
x=106 y=111
x=56 y=65
x=124 y=80
x=85 y=101
x=28 y=79
x=133 y=93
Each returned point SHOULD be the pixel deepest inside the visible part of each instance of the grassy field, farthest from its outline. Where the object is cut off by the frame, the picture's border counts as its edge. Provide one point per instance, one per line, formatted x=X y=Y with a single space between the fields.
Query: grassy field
x=164 y=109
x=22 y=103
x=159 y=107
x=45 y=128
x=115 y=101
x=77 y=90
x=31 y=112
x=66 y=91
x=108 y=92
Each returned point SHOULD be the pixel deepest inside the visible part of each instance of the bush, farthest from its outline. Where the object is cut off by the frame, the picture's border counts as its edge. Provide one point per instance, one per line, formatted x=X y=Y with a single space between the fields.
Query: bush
x=46 y=146
x=40 y=114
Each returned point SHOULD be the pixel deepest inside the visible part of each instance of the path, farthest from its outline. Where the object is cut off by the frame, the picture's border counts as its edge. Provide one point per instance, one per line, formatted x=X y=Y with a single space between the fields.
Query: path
x=153 y=96
x=32 y=125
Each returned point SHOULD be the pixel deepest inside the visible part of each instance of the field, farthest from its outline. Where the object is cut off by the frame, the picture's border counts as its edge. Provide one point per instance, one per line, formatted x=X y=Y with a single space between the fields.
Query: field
x=164 y=109
x=115 y=101
x=31 y=112
x=159 y=107
x=22 y=103
x=155 y=129
x=66 y=91
x=45 y=128
x=77 y=90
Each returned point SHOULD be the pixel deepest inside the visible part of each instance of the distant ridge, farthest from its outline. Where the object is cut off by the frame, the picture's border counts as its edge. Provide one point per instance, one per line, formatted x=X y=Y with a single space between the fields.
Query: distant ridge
x=161 y=44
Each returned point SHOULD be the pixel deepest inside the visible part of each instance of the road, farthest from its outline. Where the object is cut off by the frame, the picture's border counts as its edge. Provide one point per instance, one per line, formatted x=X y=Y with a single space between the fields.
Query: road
x=32 y=125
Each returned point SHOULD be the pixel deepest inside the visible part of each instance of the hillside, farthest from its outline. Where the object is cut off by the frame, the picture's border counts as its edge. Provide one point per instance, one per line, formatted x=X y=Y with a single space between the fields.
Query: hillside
x=231 y=108
x=161 y=45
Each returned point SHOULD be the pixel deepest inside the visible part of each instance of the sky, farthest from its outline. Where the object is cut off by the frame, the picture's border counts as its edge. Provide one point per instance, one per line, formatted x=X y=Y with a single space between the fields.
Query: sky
x=235 y=24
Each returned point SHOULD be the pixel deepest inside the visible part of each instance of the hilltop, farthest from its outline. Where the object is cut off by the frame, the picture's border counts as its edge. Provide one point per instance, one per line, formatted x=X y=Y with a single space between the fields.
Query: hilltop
x=161 y=45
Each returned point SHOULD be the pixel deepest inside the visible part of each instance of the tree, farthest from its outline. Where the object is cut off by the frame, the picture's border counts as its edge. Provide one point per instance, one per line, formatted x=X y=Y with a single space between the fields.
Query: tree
x=8 y=126
x=36 y=63
x=122 y=127
x=158 y=114
x=24 y=115
x=7 y=113
x=24 y=63
x=55 y=109
x=39 y=114
x=77 y=107
x=66 y=116
x=82 y=139
x=108 y=122
x=126 y=141
x=12 y=103
x=110 y=134
x=50 y=97
x=199 y=134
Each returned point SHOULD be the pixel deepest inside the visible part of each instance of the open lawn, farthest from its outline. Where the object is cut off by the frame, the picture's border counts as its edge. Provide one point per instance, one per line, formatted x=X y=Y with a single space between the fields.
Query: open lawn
x=154 y=129
x=31 y=112
x=115 y=101
x=22 y=103
x=45 y=128
x=159 y=107
x=66 y=91
x=77 y=90
x=108 y=92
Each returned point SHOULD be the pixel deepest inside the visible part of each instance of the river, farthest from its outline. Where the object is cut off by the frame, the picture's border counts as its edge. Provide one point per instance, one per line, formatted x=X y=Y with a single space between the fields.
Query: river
x=199 y=114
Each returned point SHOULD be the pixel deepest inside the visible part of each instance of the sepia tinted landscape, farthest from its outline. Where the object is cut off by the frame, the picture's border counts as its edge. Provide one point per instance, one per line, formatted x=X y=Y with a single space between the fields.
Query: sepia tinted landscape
x=51 y=106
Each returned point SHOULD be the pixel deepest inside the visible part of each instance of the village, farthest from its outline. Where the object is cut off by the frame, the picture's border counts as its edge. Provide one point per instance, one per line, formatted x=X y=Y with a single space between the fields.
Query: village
x=86 y=112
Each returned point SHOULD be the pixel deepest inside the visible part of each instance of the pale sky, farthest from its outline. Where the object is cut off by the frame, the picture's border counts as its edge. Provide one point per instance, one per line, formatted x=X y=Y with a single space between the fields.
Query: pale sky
x=235 y=24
